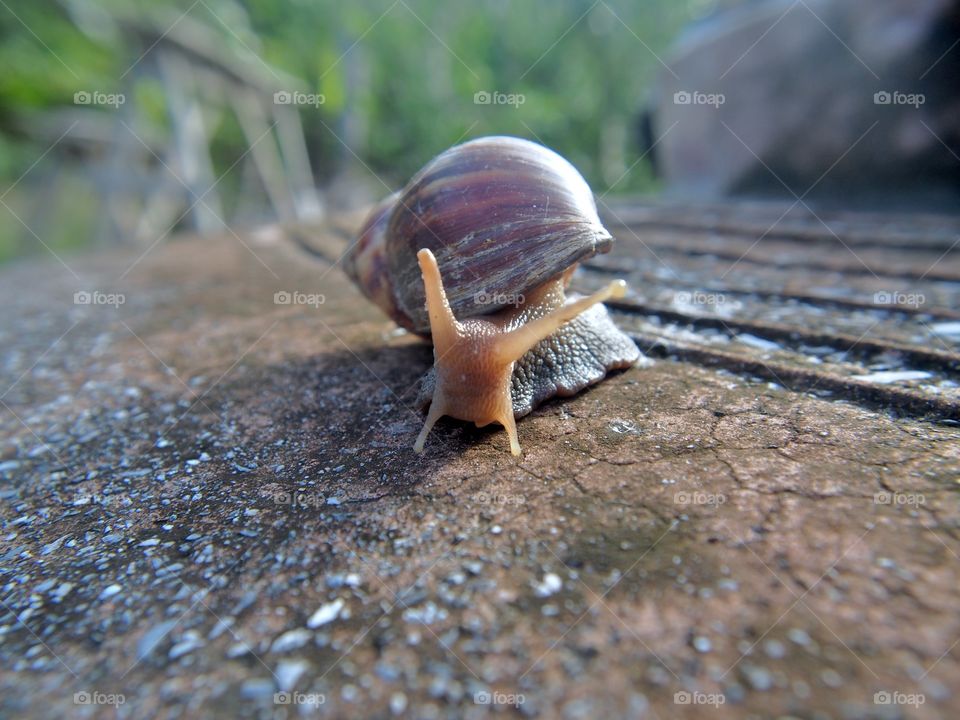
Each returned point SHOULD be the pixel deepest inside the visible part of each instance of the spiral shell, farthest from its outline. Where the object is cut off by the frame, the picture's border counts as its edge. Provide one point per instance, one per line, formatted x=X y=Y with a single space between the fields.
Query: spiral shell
x=502 y=215
x=366 y=261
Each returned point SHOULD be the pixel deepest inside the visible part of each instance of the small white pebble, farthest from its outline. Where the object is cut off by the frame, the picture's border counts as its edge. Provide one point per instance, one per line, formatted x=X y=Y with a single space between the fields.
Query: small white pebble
x=551 y=584
x=325 y=614
x=702 y=644
x=398 y=703
x=774 y=649
x=291 y=640
x=289 y=671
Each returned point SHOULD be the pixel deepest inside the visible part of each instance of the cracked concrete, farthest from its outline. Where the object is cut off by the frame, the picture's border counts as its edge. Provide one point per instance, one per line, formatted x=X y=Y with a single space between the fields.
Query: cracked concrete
x=206 y=470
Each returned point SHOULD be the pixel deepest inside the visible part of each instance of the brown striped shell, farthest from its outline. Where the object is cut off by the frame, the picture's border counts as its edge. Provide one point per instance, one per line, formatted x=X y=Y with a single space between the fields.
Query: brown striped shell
x=502 y=215
x=366 y=261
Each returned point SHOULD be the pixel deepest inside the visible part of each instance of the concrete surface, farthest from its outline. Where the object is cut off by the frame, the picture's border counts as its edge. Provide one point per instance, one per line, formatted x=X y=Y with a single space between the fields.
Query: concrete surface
x=209 y=498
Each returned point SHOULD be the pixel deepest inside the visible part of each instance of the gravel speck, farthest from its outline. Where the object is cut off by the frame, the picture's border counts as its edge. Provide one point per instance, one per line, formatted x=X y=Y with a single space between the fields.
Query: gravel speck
x=550 y=584
x=325 y=614
x=289 y=671
x=702 y=644
x=398 y=703
x=774 y=649
x=238 y=650
x=339 y=580
x=152 y=637
x=110 y=591
x=190 y=642
x=759 y=677
x=291 y=640
x=427 y=614
x=831 y=678
x=257 y=689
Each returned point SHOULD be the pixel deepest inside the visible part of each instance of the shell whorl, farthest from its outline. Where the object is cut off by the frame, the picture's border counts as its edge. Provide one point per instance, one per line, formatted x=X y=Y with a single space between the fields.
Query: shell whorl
x=366 y=261
x=502 y=215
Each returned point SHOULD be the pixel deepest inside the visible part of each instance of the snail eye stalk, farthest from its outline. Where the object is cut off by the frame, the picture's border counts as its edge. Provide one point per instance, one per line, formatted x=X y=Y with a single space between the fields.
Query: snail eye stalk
x=484 y=353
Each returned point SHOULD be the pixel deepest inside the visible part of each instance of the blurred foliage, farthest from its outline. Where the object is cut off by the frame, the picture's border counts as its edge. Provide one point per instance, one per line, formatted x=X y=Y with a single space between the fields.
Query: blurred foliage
x=399 y=78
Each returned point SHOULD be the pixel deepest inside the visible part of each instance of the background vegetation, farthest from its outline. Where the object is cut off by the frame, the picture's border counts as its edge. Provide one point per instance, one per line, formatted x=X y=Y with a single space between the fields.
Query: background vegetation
x=398 y=77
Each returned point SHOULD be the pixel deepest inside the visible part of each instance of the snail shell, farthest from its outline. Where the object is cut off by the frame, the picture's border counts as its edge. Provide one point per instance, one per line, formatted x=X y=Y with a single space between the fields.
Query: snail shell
x=502 y=216
x=476 y=252
x=366 y=261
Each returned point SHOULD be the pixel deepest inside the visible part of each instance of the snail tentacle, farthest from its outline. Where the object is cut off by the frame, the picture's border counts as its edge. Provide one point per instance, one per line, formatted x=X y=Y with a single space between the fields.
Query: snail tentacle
x=474 y=359
x=471 y=383
x=513 y=345
x=436 y=412
x=444 y=328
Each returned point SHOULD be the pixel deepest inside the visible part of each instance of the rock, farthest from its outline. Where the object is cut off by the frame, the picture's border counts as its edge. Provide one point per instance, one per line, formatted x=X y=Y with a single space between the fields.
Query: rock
x=398 y=703
x=758 y=677
x=737 y=93
x=150 y=639
x=702 y=644
x=257 y=689
x=187 y=644
x=288 y=672
x=550 y=584
x=110 y=591
x=325 y=614
x=427 y=614
x=291 y=640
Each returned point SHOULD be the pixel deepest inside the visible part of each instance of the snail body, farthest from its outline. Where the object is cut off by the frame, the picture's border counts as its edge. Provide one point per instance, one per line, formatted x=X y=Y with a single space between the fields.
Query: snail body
x=476 y=252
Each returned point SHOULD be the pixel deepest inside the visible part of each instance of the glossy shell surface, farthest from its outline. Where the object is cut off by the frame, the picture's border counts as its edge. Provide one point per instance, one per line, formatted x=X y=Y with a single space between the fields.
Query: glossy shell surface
x=502 y=216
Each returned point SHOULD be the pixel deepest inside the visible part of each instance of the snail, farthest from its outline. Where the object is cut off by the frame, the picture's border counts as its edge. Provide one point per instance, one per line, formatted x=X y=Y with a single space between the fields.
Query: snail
x=476 y=253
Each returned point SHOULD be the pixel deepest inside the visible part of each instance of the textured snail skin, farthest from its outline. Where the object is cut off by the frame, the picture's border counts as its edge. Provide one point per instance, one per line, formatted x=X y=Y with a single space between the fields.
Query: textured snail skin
x=580 y=353
x=474 y=359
